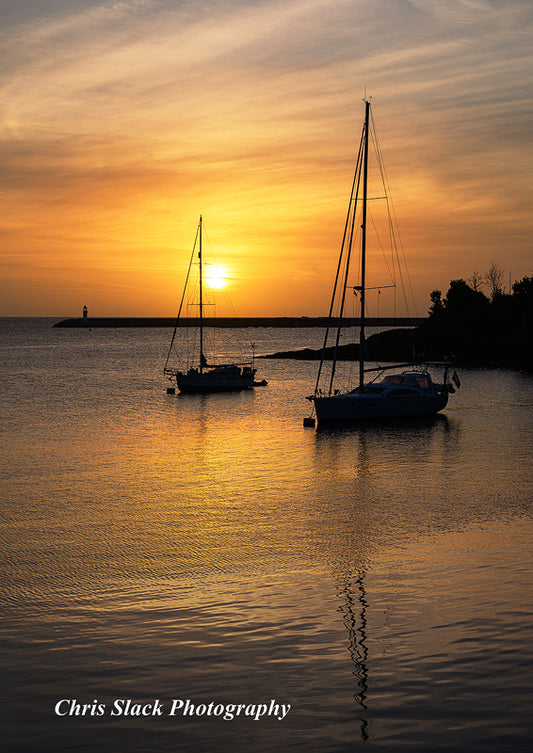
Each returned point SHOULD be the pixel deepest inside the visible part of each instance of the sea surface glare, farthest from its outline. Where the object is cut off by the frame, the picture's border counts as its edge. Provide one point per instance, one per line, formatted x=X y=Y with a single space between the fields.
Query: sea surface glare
x=279 y=588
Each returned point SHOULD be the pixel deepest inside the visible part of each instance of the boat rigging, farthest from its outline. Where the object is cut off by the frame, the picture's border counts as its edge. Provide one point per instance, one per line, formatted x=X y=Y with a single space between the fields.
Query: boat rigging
x=407 y=394
x=198 y=375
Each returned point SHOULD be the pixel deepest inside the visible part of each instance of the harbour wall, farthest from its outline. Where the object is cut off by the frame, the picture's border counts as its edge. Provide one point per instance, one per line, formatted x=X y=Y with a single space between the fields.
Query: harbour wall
x=236 y=322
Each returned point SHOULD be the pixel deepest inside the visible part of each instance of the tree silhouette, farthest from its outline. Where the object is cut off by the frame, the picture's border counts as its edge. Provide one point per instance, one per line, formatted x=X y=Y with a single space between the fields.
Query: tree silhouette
x=479 y=329
x=494 y=279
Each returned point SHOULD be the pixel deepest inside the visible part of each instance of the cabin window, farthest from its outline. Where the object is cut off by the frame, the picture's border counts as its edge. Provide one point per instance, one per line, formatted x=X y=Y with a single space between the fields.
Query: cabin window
x=398 y=379
x=423 y=382
x=402 y=393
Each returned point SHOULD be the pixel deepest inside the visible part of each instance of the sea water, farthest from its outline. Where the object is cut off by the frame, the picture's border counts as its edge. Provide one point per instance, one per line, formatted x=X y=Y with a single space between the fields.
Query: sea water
x=203 y=573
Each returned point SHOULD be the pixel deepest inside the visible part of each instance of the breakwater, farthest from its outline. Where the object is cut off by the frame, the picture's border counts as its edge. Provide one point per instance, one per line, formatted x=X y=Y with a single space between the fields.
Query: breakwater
x=276 y=321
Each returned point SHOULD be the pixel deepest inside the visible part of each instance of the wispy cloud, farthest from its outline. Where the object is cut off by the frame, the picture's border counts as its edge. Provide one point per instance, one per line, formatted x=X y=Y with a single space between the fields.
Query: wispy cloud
x=121 y=121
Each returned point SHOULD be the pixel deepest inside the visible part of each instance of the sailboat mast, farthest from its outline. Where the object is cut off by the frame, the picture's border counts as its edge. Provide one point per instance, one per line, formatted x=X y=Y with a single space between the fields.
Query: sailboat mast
x=201 y=303
x=362 y=346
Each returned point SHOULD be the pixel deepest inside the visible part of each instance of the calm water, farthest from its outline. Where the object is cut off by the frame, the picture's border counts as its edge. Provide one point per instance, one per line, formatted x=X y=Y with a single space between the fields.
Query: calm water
x=211 y=549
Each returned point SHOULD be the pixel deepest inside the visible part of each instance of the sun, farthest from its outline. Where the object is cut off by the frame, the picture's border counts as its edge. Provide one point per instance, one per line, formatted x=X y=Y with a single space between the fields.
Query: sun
x=216 y=276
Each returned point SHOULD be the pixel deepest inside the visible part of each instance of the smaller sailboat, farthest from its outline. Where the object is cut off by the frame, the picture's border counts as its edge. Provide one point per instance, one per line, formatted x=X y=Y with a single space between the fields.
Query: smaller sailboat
x=409 y=393
x=200 y=375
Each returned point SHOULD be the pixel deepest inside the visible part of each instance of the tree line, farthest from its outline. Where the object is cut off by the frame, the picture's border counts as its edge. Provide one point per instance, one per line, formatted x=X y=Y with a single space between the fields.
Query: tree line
x=478 y=323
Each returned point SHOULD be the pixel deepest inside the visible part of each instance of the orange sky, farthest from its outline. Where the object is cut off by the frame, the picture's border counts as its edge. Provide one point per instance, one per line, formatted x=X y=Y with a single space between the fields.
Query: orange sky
x=122 y=122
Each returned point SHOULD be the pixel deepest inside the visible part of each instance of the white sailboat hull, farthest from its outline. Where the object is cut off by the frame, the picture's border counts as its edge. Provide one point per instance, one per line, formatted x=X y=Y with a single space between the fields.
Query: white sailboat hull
x=354 y=407
x=216 y=380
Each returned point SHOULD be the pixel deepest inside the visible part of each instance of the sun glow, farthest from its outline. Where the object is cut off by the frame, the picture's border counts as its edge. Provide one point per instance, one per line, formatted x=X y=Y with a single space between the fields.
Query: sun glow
x=216 y=276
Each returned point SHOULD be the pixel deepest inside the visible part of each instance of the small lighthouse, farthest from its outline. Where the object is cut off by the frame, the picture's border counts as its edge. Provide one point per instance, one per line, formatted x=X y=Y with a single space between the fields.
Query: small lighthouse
x=85 y=313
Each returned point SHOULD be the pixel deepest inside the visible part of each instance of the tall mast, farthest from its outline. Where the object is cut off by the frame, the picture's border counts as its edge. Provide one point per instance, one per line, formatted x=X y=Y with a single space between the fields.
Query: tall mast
x=201 y=303
x=362 y=346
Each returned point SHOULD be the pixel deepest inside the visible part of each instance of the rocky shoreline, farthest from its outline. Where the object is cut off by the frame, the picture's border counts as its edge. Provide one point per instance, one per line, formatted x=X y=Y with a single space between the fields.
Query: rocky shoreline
x=419 y=345
x=392 y=345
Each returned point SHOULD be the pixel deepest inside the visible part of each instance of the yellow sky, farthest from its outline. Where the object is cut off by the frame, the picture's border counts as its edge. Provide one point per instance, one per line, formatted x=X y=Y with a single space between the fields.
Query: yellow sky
x=122 y=122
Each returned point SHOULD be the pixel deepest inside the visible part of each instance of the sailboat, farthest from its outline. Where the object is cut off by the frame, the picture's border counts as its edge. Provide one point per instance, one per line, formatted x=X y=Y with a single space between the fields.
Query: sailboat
x=409 y=393
x=200 y=375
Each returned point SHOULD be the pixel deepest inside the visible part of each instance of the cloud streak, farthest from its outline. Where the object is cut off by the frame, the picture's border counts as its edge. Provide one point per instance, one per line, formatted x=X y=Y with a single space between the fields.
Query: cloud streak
x=122 y=121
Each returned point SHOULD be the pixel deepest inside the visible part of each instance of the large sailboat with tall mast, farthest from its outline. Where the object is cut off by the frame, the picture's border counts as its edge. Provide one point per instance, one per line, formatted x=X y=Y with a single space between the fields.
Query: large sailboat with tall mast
x=410 y=391
x=198 y=374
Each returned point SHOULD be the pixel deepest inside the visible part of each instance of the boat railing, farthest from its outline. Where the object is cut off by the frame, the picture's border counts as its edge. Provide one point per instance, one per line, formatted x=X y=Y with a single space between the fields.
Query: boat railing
x=411 y=365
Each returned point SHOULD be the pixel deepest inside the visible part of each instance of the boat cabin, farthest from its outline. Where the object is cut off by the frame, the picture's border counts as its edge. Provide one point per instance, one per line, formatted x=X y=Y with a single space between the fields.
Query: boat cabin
x=421 y=380
x=407 y=384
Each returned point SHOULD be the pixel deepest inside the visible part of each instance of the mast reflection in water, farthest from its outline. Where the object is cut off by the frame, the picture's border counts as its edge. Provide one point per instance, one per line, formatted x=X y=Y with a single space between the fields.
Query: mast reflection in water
x=352 y=591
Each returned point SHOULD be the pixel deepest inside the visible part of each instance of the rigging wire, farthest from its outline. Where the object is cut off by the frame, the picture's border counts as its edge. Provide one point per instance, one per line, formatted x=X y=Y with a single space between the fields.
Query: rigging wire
x=397 y=267
x=182 y=298
x=214 y=338
x=394 y=234
x=341 y=265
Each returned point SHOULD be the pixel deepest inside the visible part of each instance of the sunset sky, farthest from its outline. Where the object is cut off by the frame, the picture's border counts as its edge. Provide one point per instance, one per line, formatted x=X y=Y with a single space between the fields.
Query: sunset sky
x=122 y=122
